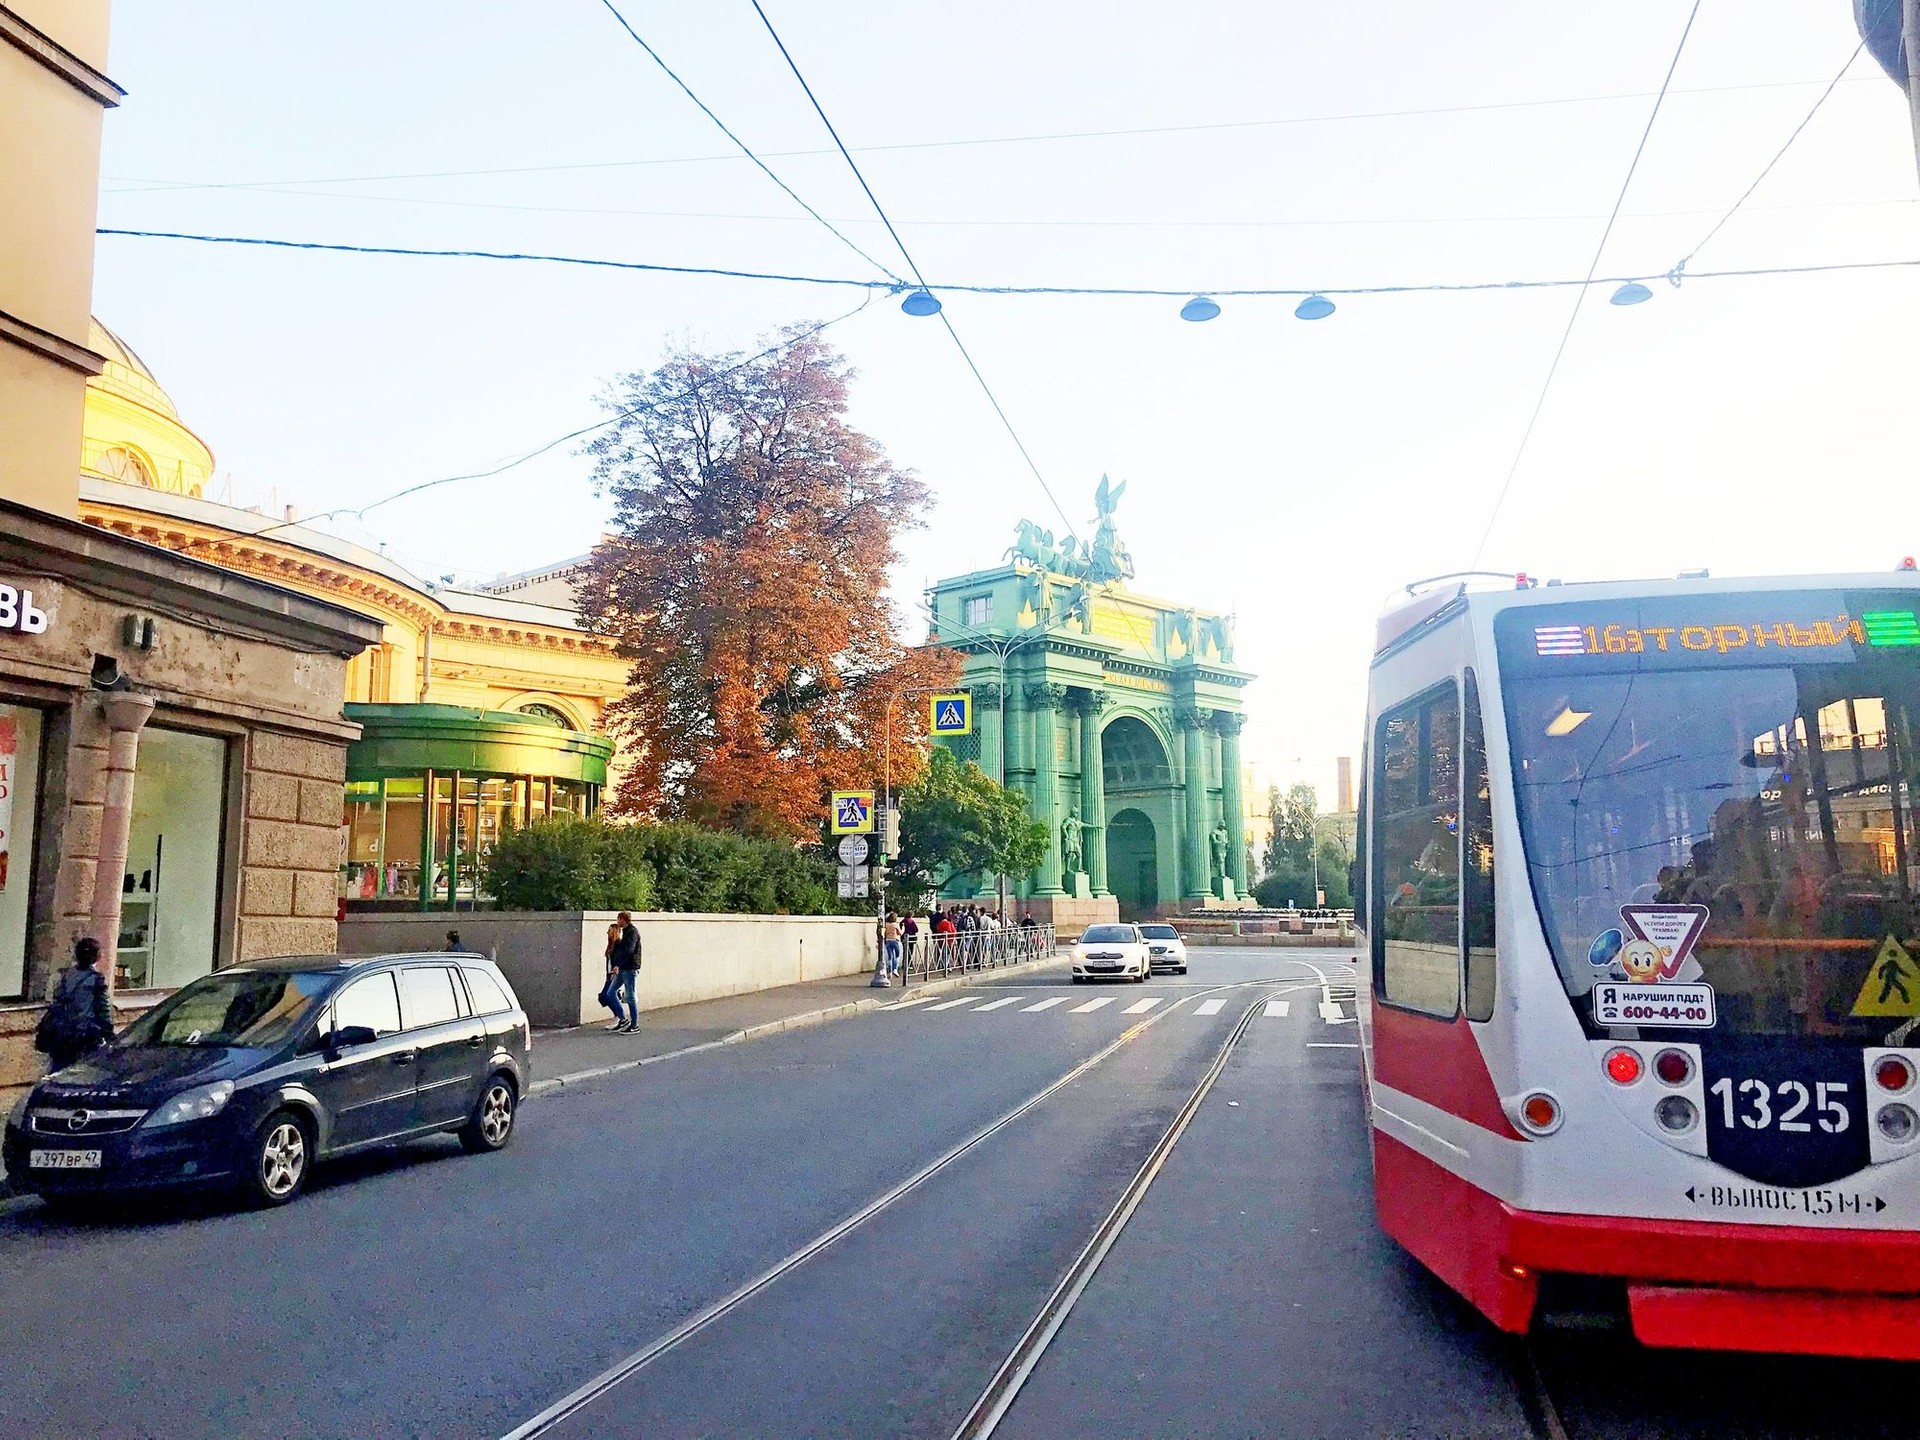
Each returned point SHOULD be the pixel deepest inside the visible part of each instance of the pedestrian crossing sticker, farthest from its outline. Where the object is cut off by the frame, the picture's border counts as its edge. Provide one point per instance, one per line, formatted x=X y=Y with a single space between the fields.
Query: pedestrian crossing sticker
x=853 y=812
x=951 y=714
x=1892 y=986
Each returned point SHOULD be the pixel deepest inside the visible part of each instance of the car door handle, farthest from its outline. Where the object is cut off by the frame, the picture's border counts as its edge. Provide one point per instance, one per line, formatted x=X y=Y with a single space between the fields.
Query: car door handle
x=406 y=1057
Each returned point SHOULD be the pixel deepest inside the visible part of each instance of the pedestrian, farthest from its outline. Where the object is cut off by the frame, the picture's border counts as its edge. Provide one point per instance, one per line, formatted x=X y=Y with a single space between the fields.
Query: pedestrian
x=909 y=933
x=79 y=1018
x=626 y=961
x=453 y=941
x=890 y=944
x=606 y=996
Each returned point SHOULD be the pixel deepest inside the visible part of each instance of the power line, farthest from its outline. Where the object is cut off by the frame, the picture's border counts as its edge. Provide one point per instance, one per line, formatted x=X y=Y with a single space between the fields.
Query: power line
x=1767 y=169
x=907 y=255
x=1598 y=250
x=362 y=511
x=744 y=149
x=1043 y=137
x=1288 y=292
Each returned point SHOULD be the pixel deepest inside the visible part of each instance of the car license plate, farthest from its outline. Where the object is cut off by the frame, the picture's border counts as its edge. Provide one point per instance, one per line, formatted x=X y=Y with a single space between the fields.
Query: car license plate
x=64 y=1160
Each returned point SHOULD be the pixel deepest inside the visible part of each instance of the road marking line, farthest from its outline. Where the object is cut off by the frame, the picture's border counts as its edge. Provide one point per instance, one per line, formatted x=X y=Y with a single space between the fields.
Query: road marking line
x=1276 y=1009
x=1333 y=1014
x=1091 y=1005
x=1045 y=1004
x=915 y=1000
x=1331 y=1045
x=1139 y=1007
x=1209 y=1007
x=951 y=1004
x=1000 y=1004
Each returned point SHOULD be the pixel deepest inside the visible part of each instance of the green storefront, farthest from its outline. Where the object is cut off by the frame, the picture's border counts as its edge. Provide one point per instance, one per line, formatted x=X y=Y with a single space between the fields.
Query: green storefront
x=1118 y=716
x=430 y=788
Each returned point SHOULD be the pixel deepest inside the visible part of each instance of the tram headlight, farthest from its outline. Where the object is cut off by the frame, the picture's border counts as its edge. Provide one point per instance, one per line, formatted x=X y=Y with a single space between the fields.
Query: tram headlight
x=1674 y=1067
x=1676 y=1114
x=1623 y=1066
x=1897 y=1122
x=1540 y=1113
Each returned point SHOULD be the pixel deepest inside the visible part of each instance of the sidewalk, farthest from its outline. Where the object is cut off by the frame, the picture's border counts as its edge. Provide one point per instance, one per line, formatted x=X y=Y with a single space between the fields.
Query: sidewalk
x=586 y=1052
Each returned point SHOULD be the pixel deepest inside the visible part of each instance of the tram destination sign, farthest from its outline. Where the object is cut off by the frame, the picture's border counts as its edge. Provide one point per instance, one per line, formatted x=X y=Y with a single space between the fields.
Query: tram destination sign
x=1671 y=632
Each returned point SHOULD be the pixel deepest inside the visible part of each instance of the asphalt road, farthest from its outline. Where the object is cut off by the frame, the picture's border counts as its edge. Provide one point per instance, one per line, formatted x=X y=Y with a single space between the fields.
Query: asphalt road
x=429 y=1293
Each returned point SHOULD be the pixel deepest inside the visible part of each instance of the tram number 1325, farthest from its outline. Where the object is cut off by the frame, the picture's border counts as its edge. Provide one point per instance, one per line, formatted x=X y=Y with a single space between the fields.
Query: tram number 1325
x=1783 y=1106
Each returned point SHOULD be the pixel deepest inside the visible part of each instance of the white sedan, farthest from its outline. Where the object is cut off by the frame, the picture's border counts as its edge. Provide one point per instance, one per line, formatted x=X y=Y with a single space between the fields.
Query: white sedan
x=1165 y=949
x=1111 y=952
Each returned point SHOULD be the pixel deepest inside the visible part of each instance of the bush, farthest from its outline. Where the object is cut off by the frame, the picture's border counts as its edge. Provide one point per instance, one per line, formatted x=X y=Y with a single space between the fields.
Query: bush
x=567 y=864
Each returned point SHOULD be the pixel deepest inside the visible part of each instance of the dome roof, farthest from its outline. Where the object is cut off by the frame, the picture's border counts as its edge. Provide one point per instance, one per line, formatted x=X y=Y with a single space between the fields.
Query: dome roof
x=126 y=373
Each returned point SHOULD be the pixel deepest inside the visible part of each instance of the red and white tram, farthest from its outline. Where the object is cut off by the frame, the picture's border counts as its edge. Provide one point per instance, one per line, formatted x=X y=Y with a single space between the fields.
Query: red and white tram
x=1640 y=865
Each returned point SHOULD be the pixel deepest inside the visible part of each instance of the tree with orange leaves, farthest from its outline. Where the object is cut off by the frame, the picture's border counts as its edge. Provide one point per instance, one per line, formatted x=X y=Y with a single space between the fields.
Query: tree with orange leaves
x=746 y=581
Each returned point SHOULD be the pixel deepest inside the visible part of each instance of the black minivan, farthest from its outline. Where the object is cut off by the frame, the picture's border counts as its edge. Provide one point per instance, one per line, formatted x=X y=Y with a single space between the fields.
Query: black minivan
x=247 y=1076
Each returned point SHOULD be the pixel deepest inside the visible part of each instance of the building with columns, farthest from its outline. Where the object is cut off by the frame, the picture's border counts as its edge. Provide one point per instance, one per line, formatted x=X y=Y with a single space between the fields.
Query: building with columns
x=1117 y=715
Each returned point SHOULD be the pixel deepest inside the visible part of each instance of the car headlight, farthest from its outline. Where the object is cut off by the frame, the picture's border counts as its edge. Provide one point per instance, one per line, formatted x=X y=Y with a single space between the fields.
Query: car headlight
x=202 y=1102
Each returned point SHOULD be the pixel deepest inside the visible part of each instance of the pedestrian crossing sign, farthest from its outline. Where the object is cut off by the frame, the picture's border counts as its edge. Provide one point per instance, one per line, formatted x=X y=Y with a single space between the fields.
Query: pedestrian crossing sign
x=951 y=714
x=1892 y=986
x=853 y=812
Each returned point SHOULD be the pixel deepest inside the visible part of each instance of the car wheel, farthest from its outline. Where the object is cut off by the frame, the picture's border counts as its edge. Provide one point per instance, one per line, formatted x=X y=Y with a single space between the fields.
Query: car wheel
x=1079 y=979
x=492 y=1123
x=280 y=1158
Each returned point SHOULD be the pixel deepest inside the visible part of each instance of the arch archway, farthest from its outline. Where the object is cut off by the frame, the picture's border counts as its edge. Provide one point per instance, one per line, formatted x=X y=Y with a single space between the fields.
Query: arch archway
x=1133 y=862
x=1137 y=782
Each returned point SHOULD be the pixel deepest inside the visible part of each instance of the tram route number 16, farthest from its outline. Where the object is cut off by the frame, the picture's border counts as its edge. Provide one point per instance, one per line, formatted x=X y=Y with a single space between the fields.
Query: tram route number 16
x=1755 y=1105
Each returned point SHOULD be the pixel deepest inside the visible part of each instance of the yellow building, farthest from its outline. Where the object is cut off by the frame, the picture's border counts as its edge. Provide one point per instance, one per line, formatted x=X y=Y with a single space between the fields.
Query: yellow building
x=492 y=700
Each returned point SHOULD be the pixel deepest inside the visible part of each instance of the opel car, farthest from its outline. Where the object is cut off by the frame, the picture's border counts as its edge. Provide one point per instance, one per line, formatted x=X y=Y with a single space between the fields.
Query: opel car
x=1110 y=952
x=1165 y=949
x=246 y=1077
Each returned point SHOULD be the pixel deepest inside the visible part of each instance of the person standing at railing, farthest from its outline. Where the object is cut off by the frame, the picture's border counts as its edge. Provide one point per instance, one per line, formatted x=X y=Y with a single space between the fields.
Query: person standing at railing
x=909 y=934
x=890 y=944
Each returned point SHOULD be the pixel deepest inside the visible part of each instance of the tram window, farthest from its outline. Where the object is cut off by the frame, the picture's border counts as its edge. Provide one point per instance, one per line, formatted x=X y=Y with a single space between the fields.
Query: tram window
x=1476 y=847
x=1358 y=874
x=1416 y=895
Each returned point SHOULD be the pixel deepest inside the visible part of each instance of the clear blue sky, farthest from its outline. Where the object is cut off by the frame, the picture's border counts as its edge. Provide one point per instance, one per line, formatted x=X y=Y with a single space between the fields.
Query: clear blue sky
x=1292 y=472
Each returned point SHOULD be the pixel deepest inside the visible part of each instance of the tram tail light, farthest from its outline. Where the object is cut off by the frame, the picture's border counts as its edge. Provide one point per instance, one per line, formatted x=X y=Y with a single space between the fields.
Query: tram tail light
x=1897 y=1122
x=1674 y=1067
x=1893 y=1074
x=1676 y=1114
x=1623 y=1066
x=1540 y=1113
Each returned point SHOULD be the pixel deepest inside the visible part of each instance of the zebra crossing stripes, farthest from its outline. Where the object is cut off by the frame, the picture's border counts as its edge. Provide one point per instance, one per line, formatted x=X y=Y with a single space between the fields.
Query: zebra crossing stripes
x=953 y=1004
x=1091 y=1005
x=1045 y=1004
x=1331 y=1010
x=1209 y=1007
x=1000 y=1004
x=1276 y=1010
x=1140 y=1007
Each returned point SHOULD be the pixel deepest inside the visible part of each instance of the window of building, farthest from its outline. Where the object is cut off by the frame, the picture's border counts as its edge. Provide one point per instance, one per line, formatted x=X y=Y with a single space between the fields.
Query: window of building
x=120 y=463
x=977 y=610
x=369 y=1002
x=1476 y=863
x=1416 y=851
x=170 y=900
x=20 y=746
x=427 y=997
x=549 y=712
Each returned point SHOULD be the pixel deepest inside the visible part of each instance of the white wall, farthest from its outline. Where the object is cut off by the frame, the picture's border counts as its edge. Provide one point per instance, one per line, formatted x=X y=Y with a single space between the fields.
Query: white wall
x=556 y=960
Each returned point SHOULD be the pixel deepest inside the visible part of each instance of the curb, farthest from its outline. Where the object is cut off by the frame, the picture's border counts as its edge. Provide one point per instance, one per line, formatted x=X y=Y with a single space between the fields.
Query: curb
x=801 y=1021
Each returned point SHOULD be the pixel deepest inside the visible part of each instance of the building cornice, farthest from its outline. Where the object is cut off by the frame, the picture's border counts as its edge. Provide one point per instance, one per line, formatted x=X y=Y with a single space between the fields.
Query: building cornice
x=29 y=336
x=61 y=61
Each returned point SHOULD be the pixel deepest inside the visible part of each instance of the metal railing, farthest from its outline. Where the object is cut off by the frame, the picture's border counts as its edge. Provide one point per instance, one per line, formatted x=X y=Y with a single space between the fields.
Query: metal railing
x=928 y=957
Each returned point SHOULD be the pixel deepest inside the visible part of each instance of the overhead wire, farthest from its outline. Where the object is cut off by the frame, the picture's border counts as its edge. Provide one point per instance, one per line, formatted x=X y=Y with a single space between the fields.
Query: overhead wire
x=1580 y=296
x=958 y=288
x=742 y=145
x=360 y=512
x=907 y=255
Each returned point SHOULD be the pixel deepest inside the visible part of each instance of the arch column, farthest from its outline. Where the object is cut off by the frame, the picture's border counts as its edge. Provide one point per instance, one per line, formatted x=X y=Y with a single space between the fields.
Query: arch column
x=1045 y=700
x=1228 y=725
x=1093 y=794
x=986 y=721
x=1194 y=861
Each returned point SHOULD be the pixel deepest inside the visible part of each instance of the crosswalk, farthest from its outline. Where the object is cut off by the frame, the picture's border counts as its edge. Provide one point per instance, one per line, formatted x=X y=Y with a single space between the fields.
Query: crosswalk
x=1330 y=1005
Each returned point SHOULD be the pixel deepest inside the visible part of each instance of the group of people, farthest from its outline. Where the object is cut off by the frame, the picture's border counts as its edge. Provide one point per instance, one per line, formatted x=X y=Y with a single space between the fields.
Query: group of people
x=900 y=934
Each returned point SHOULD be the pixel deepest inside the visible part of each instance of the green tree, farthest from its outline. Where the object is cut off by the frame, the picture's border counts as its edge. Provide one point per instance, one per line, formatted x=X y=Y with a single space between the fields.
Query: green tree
x=958 y=823
x=1299 y=850
x=1293 y=816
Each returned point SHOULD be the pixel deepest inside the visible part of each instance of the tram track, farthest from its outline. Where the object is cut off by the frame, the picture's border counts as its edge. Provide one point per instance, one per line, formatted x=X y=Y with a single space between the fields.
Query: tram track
x=1536 y=1400
x=579 y=1399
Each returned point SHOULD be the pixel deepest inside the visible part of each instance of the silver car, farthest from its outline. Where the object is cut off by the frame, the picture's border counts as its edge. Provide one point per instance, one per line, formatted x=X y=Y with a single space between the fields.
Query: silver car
x=1165 y=949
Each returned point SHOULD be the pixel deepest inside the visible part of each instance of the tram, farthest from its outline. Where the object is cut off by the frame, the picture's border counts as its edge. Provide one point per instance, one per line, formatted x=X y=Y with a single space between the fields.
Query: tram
x=1639 y=865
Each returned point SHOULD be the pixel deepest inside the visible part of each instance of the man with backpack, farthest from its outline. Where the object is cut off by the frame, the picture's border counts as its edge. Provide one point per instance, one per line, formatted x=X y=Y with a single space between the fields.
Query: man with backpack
x=79 y=1018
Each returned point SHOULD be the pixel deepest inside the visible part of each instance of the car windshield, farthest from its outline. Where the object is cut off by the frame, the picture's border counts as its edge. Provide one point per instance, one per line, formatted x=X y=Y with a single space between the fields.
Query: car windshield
x=1107 y=935
x=256 y=1009
x=1159 y=932
x=1750 y=817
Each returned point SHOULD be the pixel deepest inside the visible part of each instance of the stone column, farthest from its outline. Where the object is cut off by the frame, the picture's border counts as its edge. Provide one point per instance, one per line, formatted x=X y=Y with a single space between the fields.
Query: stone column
x=126 y=715
x=1231 y=800
x=1194 y=860
x=1045 y=700
x=1093 y=795
x=986 y=724
x=1016 y=731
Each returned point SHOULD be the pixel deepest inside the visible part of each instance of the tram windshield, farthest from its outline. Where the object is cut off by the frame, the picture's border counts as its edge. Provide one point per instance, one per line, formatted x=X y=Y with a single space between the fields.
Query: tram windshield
x=1750 y=806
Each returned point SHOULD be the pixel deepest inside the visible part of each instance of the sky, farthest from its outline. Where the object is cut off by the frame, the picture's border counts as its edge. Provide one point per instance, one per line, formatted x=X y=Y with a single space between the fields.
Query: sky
x=1294 y=474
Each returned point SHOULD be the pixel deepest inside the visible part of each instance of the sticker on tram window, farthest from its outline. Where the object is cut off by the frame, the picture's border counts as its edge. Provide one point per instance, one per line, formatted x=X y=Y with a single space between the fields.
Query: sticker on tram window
x=1688 y=1007
x=1892 y=987
x=1605 y=949
x=1673 y=930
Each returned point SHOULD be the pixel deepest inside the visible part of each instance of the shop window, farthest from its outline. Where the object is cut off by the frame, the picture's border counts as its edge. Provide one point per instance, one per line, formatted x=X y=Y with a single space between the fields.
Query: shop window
x=170 y=900
x=20 y=745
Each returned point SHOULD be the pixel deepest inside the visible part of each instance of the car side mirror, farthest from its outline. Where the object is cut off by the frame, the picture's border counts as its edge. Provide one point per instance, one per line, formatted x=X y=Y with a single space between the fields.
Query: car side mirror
x=348 y=1036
